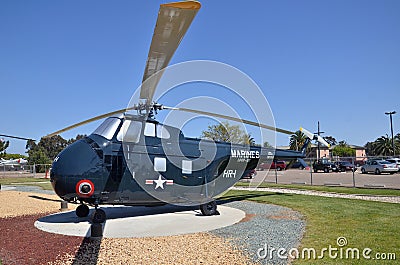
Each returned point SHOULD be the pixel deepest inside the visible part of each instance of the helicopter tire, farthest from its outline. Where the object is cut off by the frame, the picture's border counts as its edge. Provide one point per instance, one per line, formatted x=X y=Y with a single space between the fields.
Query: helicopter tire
x=209 y=208
x=82 y=210
x=99 y=216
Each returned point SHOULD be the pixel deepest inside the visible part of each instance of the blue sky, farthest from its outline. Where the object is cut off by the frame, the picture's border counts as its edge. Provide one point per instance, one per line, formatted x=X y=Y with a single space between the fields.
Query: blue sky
x=337 y=62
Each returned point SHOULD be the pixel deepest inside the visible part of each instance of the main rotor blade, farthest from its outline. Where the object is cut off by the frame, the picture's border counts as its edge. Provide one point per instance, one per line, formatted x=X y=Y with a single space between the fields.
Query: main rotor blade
x=173 y=21
x=88 y=121
x=16 y=137
x=232 y=119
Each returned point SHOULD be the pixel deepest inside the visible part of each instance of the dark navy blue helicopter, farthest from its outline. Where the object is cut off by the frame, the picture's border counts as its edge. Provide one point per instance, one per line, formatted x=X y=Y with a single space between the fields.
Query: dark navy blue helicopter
x=135 y=160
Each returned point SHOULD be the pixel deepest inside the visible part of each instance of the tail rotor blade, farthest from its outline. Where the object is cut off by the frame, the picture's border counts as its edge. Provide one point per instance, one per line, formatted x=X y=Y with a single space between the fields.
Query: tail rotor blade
x=316 y=137
x=322 y=141
x=307 y=133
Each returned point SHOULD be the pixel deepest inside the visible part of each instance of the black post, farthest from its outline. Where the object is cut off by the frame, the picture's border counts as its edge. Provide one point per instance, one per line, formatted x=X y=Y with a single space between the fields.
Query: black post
x=391 y=128
x=318 y=143
x=319 y=151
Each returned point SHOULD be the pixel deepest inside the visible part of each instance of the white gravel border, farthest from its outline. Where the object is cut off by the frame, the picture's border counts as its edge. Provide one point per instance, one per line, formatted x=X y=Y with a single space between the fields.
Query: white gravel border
x=377 y=198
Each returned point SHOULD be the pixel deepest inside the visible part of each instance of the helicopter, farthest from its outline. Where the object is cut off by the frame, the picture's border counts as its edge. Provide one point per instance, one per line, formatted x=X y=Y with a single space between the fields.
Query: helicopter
x=134 y=160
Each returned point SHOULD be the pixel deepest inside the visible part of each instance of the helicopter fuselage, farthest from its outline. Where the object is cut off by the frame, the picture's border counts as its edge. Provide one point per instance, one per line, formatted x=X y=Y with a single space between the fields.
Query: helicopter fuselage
x=142 y=162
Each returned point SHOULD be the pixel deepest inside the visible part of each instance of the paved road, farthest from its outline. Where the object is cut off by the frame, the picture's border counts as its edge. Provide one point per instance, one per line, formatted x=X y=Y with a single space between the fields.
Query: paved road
x=295 y=176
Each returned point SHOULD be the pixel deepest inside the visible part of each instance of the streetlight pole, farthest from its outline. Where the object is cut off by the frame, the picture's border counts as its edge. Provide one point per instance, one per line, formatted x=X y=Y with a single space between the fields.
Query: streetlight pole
x=391 y=127
x=318 y=145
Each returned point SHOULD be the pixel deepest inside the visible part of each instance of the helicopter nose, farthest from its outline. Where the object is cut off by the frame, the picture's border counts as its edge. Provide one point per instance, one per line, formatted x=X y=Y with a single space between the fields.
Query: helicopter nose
x=79 y=161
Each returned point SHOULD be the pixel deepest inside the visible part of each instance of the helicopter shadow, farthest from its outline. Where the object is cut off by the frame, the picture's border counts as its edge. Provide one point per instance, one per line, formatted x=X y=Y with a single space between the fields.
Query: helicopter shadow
x=43 y=198
x=243 y=197
x=122 y=211
x=116 y=212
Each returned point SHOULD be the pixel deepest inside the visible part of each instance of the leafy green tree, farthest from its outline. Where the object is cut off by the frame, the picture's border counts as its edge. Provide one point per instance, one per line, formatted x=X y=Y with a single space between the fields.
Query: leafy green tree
x=47 y=149
x=330 y=140
x=225 y=132
x=370 y=149
x=78 y=137
x=52 y=146
x=343 y=150
x=267 y=145
x=14 y=156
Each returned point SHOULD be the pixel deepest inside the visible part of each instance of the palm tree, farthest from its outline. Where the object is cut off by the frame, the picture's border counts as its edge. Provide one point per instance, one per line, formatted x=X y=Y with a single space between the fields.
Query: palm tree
x=331 y=140
x=297 y=140
x=383 y=146
x=249 y=140
x=3 y=146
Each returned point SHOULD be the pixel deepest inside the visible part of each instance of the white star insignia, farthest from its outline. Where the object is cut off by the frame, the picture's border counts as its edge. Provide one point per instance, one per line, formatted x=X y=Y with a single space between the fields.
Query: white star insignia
x=159 y=182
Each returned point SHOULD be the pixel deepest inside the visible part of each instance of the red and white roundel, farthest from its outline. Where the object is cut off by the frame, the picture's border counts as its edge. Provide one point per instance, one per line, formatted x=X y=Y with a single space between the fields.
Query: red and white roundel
x=80 y=184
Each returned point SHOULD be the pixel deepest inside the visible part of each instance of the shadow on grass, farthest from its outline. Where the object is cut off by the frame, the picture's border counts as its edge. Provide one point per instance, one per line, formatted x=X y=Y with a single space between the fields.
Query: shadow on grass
x=247 y=196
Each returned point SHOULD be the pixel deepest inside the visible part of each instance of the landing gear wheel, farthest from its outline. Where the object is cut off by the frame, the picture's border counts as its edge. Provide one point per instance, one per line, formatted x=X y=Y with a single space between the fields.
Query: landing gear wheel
x=82 y=210
x=209 y=208
x=99 y=216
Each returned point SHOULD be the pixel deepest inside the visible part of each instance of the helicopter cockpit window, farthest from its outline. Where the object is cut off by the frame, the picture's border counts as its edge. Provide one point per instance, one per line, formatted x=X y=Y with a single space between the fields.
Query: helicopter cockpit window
x=130 y=131
x=162 y=132
x=107 y=128
x=150 y=129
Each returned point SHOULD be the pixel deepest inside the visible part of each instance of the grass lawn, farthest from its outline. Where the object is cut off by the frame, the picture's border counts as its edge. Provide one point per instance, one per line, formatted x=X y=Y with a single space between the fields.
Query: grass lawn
x=41 y=182
x=365 y=191
x=364 y=224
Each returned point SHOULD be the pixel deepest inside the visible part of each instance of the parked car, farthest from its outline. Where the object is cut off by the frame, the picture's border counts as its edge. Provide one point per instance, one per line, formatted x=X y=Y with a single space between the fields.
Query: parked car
x=299 y=163
x=378 y=167
x=343 y=166
x=250 y=174
x=324 y=165
x=279 y=165
x=394 y=160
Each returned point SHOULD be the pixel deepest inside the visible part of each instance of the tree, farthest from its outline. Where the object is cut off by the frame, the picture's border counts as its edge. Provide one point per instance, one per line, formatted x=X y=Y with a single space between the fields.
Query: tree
x=78 y=137
x=47 y=149
x=370 y=149
x=3 y=146
x=226 y=132
x=330 y=140
x=383 y=146
x=13 y=156
x=52 y=146
x=343 y=150
x=297 y=140
x=267 y=145
x=249 y=140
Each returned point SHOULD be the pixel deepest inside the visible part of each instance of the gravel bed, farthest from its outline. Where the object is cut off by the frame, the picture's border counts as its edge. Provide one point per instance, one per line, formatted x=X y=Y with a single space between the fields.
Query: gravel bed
x=16 y=203
x=378 y=198
x=22 y=243
x=265 y=225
